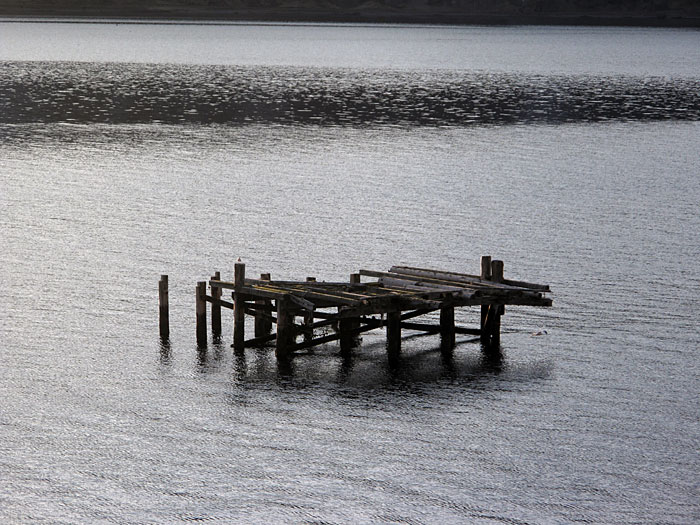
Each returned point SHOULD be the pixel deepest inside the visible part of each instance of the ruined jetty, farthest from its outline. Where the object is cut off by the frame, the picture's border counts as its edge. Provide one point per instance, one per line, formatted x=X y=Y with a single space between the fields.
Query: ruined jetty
x=392 y=300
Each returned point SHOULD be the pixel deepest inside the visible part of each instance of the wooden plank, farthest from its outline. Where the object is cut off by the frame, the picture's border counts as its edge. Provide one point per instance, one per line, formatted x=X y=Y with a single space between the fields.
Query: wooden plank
x=333 y=298
x=319 y=285
x=426 y=287
x=450 y=279
x=497 y=294
x=408 y=270
x=222 y=302
x=302 y=303
x=421 y=327
x=261 y=339
x=426 y=280
x=372 y=325
x=262 y=314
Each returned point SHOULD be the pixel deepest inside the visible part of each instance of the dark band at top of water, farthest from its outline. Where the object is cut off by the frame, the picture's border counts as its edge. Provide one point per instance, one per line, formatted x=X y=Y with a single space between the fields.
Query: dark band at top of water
x=32 y=92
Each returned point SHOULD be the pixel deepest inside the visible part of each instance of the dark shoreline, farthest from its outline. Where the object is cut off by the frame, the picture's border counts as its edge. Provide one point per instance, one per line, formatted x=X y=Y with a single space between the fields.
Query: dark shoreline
x=357 y=16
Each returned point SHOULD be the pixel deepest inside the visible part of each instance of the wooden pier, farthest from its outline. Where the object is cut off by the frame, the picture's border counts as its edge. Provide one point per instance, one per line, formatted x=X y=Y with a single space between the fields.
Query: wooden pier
x=390 y=300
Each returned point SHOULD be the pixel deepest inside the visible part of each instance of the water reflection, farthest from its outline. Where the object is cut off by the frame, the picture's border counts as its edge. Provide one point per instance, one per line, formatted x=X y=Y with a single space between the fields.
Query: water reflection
x=368 y=368
x=165 y=352
x=44 y=92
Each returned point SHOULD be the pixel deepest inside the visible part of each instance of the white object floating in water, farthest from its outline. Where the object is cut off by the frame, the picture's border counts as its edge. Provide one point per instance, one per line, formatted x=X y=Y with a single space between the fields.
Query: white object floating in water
x=541 y=332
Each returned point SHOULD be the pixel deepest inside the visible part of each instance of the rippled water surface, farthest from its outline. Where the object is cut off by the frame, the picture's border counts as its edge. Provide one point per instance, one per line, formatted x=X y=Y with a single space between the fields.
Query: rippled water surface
x=131 y=151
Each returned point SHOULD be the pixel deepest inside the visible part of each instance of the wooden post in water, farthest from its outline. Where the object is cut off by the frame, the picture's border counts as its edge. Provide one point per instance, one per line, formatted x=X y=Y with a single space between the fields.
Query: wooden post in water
x=201 y=310
x=393 y=333
x=348 y=338
x=497 y=309
x=238 y=308
x=285 y=327
x=485 y=276
x=216 y=307
x=309 y=318
x=263 y=325
x=163 y=308
x=447 y=328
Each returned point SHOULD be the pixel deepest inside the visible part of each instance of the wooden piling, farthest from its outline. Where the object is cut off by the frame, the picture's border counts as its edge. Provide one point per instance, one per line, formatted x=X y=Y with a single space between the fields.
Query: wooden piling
x=497 y=310
x=216 y=307
x=309 y=318
x=348 y=327
x=238 y=308
x=285 y=327
x=393 y=333
x=163 y=308
x=263 y=326
x=485 y=276
x=201 y=311
x=447 y=328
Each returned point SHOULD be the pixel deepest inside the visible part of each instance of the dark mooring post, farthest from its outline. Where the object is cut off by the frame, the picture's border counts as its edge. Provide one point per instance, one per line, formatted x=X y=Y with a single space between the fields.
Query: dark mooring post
x=393 y=333
x=238 y=308
x=485 y=276
x=447 y=328
x=263 y=325
x=201 y=310
x=216 y=306
x=285 y=327
x=347 y=327
x=497 y=309
x=309 y=318
x=163 y=308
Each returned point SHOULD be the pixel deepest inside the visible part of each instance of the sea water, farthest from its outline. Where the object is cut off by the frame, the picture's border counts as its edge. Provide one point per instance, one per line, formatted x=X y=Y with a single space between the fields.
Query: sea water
x=133 y=150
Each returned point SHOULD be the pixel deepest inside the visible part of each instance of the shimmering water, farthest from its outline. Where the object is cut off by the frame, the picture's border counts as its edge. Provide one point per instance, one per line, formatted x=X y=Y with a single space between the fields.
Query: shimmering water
x=130 y=151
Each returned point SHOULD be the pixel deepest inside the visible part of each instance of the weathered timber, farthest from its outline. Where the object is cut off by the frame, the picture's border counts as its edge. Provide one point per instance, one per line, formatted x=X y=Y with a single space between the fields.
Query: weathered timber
x=238 y=308
x=263 y=326
x=482 y=286
x=466 y=278
x=285 y=325
x=447 y=327
x=309 y=317
x=348 y=326
x=491 y=319
x=393 y=333
x=485 y=276
x=223 y=303
x=163 y=308
x=201 y=313
x=216 y=307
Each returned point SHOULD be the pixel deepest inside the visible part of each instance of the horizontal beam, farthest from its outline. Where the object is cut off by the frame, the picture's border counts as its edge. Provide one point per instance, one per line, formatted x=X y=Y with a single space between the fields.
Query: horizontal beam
x=223 y=302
